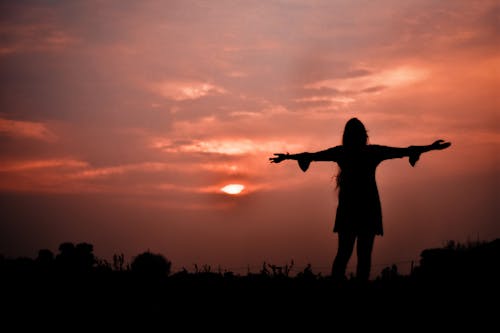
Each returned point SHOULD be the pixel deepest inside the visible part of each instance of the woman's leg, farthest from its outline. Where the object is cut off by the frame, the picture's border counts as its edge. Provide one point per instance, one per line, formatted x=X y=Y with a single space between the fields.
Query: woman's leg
x=346 y=246
x=364 y=249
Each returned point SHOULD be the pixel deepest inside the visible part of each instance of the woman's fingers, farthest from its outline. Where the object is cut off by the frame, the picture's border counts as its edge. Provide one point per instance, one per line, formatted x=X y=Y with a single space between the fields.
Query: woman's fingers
x=277 y=158
x=437 y=142
x=446 y=144
x=441 y=144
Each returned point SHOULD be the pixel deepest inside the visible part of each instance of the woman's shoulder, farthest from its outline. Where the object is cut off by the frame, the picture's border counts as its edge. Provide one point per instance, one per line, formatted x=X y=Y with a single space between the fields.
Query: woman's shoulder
x=336 y=148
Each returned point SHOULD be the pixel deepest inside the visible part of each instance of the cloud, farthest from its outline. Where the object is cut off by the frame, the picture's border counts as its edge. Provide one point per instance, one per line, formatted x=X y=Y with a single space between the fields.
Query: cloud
x=221 y=146
x=26 y=129
x=185 y=90
x=326 y=100
x=68 y=175
x=121 y=169
x=393 y=77
x=341 y=92
x=14 y=166
x=237 y=74
x=39 y=37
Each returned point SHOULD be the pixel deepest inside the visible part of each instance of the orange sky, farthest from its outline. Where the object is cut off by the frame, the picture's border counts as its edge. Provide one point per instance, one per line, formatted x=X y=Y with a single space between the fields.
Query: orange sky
x=120 y=121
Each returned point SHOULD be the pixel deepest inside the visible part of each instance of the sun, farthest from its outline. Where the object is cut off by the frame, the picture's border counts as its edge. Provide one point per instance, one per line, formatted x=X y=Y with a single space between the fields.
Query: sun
x=233 y=189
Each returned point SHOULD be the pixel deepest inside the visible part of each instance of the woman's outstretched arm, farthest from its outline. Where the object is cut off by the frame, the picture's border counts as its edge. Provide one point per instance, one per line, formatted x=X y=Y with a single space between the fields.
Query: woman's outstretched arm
x=413 y=152
x=305 y=159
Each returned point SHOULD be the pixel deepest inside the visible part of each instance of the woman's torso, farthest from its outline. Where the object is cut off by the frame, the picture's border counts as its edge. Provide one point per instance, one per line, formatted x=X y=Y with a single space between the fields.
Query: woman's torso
x=359 y=207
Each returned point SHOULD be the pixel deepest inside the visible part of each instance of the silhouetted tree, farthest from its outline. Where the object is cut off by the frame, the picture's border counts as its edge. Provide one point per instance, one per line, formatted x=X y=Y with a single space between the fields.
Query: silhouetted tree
x=85 y=256
x=66 y=258
x=45 y=261
x=79 y=258
x=150 y=264
x=45 y=257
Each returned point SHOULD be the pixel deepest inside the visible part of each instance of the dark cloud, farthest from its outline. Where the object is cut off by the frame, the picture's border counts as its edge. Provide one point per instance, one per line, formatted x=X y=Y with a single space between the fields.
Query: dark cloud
x=373 y=89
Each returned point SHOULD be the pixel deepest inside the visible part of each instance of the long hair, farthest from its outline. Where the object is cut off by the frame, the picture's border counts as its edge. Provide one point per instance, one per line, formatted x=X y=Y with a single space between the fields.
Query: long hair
x=355 y=135
x=354 y=138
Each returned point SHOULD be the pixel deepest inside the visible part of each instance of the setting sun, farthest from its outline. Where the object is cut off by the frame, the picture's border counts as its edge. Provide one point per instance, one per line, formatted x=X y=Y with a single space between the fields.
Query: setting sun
x=233 y=189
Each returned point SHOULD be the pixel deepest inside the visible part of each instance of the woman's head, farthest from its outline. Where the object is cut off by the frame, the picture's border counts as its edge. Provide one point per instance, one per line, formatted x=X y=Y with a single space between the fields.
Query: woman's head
x=355 y=134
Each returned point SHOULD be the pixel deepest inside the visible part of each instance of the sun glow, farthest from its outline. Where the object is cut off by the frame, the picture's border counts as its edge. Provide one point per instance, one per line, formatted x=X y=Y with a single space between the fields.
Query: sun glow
x=233 y=189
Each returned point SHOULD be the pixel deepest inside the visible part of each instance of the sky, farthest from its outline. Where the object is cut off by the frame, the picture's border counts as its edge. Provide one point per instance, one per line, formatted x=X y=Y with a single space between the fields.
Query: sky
x=120 y=122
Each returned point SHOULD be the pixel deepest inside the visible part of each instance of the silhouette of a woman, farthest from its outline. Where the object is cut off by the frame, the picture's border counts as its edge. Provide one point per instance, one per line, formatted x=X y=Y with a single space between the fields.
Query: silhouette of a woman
x=359 y=214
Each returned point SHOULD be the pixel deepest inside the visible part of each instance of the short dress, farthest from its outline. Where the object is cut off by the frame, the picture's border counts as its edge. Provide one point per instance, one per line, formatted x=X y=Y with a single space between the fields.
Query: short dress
x=359 y=210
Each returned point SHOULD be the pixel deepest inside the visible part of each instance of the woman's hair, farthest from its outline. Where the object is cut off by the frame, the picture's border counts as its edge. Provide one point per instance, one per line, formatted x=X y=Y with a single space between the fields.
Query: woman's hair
x=355 y=137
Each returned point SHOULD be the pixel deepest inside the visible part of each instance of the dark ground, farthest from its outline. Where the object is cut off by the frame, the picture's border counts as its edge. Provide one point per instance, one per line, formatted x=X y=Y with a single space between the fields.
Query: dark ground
x=455 y=286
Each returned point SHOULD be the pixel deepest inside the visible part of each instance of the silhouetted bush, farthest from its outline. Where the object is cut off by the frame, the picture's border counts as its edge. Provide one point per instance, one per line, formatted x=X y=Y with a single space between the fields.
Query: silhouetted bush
x=389 y=274
x=307 y=273
x=455 y=261
x=118 y=262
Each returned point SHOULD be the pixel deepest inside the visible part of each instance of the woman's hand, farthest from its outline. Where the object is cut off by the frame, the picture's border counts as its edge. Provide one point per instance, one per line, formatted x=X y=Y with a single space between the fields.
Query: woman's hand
x=440 y=144
x=415 y=151
x=278 y=158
